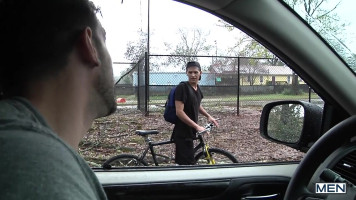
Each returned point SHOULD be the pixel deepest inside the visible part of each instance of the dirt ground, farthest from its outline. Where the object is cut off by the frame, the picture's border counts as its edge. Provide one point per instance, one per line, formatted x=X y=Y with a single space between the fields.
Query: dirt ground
x=238 y=134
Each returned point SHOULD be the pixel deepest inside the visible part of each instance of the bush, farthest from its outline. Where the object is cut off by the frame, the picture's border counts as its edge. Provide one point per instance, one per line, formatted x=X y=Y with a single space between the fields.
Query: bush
x=292 y=91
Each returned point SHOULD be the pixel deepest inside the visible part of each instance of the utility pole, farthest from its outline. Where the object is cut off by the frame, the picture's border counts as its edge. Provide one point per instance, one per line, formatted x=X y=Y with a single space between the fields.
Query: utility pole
x=216 y=51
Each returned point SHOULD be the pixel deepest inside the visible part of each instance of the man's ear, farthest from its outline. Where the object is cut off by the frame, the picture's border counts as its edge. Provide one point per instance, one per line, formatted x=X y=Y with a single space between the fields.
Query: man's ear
x=86 y=47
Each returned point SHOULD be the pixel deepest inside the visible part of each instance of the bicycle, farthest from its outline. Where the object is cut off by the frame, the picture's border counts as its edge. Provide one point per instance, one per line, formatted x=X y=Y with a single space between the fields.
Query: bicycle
x=207 y=155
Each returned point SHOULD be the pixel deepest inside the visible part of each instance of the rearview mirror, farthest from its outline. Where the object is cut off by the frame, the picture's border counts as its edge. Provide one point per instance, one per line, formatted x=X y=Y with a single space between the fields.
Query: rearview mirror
x=293 y=123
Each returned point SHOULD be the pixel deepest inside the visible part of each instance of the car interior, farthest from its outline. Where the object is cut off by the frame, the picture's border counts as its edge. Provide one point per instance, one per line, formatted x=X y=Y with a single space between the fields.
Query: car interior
x=327 y=134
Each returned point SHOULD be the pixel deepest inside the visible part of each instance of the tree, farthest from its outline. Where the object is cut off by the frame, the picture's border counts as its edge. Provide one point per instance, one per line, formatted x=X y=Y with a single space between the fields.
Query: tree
x=252 y=48
x=192 y=43
x=251 y=69
x=321 y=16
x=135 y=50
x=319 y=13
x=285 y=122
x=125 y=77
x=248 y=47
x=221 y=65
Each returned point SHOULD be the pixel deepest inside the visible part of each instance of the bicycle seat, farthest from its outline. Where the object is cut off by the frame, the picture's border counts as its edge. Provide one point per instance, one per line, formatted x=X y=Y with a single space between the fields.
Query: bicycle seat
x=146 y=132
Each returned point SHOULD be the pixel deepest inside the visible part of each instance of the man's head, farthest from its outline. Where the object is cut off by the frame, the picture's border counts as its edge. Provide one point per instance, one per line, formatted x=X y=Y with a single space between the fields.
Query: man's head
x=193 y=71
x=192 y=64
x=37 y=37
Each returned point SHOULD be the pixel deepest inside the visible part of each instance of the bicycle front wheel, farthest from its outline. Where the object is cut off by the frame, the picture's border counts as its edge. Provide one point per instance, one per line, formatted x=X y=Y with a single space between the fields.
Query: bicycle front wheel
x=123 y=160
x=220 y=156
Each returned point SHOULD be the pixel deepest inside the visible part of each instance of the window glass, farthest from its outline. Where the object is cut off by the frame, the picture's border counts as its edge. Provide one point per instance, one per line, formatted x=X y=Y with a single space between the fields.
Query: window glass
x=334 y=21
x=239 y=77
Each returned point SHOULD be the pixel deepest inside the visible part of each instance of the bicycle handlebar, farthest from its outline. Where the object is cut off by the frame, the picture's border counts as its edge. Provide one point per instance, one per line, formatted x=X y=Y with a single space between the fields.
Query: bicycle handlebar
x=207 y=129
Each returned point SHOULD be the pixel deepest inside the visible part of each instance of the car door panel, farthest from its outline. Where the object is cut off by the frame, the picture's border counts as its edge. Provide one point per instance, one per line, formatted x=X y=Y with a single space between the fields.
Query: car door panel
x=245 y=182
x=244 y=188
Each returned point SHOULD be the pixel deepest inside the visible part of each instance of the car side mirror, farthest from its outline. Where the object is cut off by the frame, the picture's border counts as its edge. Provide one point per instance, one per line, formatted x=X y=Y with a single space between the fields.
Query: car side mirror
x=293 y=123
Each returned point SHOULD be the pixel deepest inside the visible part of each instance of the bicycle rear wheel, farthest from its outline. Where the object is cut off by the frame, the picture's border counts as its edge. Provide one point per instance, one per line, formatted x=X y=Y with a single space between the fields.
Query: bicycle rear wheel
x=123 y=160
x=219 y=155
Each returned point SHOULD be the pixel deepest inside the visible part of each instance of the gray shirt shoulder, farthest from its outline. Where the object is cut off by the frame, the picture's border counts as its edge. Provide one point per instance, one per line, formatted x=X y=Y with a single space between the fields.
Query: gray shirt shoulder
x=36 y=163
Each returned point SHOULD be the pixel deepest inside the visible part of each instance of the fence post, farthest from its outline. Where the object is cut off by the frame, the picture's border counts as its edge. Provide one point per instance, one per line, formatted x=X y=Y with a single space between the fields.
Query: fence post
x=238 y=86
x=138 y=86
x=147 y=95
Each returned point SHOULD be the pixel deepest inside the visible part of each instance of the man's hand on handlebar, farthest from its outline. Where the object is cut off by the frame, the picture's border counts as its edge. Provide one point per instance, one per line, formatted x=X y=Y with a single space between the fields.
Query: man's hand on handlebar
x=200 y=129
x=214 y=121
x=207 y=128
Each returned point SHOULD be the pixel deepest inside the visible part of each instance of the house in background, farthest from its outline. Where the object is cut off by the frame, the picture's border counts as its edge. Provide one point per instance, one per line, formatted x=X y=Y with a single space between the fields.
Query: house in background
x=249 y=76
x=266 y=75
x=255 y=75
x=174 y=78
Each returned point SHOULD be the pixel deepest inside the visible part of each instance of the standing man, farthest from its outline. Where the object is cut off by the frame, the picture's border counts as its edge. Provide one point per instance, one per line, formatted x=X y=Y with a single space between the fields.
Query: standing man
x=55 y=78
x=188 y=97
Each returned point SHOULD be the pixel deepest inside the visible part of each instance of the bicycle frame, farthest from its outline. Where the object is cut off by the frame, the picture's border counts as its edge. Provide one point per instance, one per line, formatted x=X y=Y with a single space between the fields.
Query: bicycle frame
x=209 y=158
x=206 y=153
x=150 y=147
x=202 y=145
x=205 y=146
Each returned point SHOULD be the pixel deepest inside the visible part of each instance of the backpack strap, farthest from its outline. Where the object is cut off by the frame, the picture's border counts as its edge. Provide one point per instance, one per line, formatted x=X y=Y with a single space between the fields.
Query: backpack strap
x=187 y=85
x=184 y=82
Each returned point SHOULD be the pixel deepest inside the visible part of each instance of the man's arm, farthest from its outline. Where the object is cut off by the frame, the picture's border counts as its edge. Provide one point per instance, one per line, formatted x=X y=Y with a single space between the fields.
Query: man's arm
x=206 y=114
x=184 y=117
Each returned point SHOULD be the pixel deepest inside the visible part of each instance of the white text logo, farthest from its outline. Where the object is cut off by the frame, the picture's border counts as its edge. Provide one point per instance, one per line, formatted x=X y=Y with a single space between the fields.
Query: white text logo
x=330 y=188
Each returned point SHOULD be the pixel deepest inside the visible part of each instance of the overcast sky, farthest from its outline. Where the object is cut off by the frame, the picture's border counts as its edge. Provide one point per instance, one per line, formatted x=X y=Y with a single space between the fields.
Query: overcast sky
x=122 y=22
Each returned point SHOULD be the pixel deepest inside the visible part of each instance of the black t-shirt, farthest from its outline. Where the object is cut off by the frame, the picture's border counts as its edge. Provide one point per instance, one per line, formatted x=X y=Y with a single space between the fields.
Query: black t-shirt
x=191 y=100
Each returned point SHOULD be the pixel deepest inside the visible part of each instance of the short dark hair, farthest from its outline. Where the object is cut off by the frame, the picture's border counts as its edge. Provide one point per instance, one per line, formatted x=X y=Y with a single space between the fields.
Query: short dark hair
x=37 y=36
x=192 y=64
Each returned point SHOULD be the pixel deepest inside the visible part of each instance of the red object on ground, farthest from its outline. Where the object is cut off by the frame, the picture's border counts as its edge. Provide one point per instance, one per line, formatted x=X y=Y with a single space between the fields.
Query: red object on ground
x=120 y=100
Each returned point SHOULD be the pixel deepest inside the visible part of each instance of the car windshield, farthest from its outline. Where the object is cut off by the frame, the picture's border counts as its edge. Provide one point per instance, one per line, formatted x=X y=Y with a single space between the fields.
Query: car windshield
x=333 y=20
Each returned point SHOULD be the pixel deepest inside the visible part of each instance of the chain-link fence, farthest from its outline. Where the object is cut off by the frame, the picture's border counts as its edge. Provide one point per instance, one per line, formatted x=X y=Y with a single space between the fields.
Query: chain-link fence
x=234 y=82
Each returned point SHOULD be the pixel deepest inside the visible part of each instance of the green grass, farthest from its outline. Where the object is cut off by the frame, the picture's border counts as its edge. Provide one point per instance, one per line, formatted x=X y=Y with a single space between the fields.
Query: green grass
x=231 y=98
x=276 y=97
